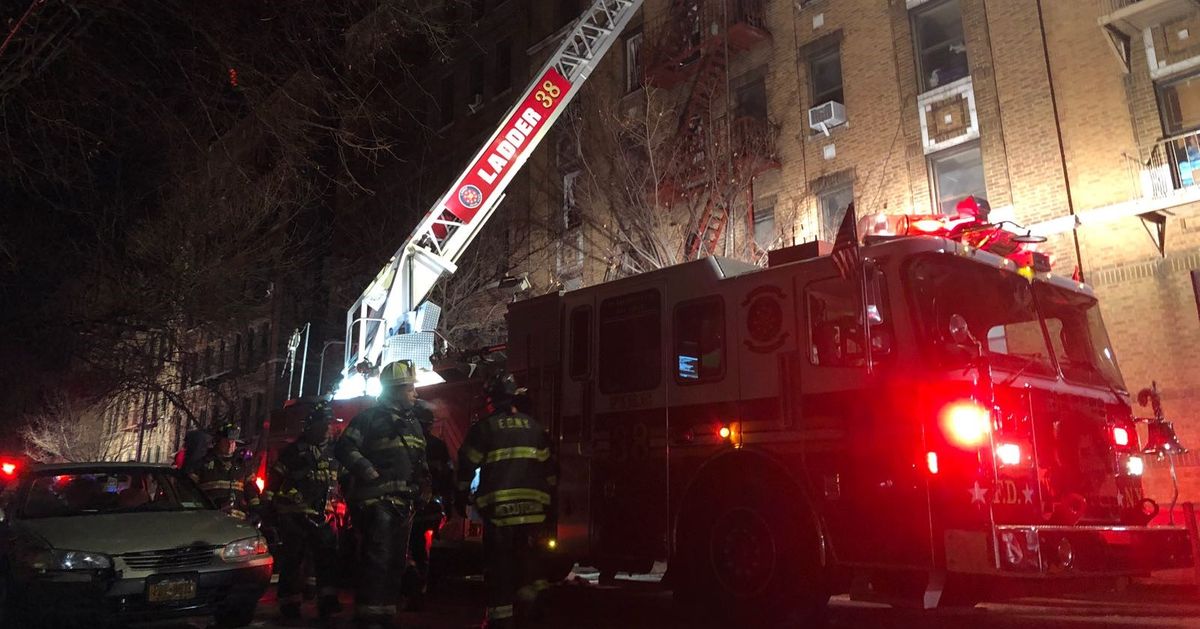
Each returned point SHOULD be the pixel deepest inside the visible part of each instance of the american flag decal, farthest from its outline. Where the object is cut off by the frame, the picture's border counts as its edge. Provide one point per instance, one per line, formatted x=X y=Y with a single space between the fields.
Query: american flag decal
x=845 y=246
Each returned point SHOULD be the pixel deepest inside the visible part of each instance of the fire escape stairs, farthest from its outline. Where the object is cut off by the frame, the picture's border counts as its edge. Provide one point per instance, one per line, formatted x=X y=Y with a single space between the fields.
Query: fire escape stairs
x=689 y=167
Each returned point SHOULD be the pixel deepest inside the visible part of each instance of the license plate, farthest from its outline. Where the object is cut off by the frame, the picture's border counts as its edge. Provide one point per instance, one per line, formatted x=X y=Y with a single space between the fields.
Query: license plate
x=172 y=588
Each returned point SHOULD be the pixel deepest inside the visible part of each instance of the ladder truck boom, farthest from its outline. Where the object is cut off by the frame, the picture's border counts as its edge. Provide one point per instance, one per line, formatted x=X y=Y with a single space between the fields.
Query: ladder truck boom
x=384 y=324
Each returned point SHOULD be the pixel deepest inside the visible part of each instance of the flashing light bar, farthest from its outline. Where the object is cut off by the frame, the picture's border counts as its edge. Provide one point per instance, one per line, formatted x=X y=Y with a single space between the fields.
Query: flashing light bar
x=8 y=468
x=931 y=462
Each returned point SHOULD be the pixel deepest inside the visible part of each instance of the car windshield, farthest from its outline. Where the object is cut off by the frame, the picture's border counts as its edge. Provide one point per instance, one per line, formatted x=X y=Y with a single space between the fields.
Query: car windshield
x=88 y=491
x=998 y=308
x=1077 y=333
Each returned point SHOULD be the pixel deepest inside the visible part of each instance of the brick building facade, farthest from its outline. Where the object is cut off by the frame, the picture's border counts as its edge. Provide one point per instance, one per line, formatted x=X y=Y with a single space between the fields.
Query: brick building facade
x=1077 y=120
x=1074 y=119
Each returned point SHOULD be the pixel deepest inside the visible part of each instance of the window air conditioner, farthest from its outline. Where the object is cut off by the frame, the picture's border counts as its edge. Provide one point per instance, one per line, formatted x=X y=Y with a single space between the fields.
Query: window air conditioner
x=476 y=103
x=826 y=116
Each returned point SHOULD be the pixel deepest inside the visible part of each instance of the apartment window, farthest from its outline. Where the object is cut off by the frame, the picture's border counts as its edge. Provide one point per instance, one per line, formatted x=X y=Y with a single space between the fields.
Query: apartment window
x=751 y=99
x=250 y=347
x=206 y=366
x=237 y=352
x=825 y=68
x=833 y=209
x=941 y=48
x=1179 y=103
x=764 y=223
x=956 y=174
x=630 y=342
x=502 y=79
x=221 y=357
x=446 y=102
x=633 y=62
x=475 y=86
x=700 y=340
x=571 y=216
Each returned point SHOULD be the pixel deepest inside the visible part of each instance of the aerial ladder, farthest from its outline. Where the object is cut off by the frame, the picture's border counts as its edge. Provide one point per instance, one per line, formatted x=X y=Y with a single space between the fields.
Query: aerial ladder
x=392 y=319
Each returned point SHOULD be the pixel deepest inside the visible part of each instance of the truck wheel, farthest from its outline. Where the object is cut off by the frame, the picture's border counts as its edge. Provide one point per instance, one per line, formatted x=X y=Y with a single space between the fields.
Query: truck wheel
x=750 y=555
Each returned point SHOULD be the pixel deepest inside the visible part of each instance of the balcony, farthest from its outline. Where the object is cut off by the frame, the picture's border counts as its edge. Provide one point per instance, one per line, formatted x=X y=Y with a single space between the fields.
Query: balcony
x=1170 y=167
x=692 y=27
x=1131 y=17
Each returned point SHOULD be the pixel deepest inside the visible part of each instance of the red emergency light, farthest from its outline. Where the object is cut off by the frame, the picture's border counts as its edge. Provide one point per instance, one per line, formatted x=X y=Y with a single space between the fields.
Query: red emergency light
x=260 y=483
x=8 y=468
x=966 y=424
x=1009 y=454
x=931 y=461
x=1120 y=436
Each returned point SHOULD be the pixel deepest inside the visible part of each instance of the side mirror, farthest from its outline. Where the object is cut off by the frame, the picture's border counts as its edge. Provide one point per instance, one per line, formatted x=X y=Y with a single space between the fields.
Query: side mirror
x=959 y=331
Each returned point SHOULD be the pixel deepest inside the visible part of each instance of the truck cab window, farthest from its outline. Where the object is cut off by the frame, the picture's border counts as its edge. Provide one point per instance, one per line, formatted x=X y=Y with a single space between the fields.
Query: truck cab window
x=630 y=343
x=833 y=317
x=700 y=340
x=835 y=322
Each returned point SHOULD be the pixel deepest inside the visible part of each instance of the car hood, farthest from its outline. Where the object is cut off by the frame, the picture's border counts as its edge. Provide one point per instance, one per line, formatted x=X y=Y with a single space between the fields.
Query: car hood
x=119 y=533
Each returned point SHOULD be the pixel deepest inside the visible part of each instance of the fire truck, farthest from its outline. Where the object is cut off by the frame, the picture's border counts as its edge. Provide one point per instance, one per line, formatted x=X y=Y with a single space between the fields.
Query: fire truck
x=946 y=421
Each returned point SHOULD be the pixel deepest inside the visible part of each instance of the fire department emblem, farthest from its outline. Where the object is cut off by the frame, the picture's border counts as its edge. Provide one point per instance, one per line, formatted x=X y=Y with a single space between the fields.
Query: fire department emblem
x=764 y=319
x=470 y=196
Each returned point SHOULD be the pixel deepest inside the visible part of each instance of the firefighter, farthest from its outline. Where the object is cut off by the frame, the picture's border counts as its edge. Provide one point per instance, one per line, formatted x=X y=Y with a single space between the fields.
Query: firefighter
x=431 y=512
x=384 y=451
x=224 y=477
x=512 y=453
x=301 y=488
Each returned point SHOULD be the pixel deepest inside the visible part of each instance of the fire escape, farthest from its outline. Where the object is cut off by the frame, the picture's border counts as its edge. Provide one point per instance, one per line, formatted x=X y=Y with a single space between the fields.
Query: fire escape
x=715 y=152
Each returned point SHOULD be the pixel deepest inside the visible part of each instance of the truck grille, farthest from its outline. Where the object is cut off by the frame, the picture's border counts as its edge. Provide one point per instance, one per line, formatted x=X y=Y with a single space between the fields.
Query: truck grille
x=171 y=559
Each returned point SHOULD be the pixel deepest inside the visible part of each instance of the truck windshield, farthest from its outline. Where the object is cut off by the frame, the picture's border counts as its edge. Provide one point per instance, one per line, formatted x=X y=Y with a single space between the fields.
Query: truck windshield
x=997 y=306
x=1077 y=333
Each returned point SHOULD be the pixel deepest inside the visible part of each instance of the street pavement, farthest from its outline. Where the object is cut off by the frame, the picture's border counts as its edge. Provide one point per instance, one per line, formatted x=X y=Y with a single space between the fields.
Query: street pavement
x=641 y=603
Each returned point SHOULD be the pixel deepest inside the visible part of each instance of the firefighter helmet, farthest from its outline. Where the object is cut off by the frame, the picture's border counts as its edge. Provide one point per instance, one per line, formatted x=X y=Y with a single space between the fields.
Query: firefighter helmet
x=397 y=373
x=321 y=413
x=230 y=431
x=501 y=388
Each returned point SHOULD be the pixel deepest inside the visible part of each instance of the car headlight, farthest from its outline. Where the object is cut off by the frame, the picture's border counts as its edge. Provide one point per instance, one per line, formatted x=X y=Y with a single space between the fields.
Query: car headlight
x=245 y=549
x=66 y=560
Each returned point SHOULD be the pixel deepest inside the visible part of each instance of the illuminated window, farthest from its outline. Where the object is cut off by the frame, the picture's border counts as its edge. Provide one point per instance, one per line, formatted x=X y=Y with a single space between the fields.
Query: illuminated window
x=630 y=342
x=957 y=173
x=941 y=48
x=825 y=68
x=764 y=223
x=700 y=340
x=633 y=62
x=833 y=209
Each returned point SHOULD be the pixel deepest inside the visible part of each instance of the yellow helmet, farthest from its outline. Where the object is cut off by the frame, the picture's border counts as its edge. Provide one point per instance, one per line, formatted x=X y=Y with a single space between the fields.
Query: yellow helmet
x=397 y=373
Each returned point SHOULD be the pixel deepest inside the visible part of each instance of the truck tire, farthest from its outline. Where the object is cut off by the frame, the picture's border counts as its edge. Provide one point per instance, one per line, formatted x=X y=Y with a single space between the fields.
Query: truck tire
x=747 y=553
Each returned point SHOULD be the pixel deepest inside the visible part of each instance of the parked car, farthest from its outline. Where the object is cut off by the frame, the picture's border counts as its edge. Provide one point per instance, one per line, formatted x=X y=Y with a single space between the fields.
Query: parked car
x=123 y=541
